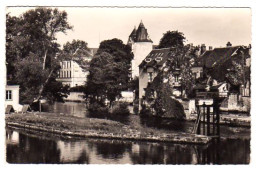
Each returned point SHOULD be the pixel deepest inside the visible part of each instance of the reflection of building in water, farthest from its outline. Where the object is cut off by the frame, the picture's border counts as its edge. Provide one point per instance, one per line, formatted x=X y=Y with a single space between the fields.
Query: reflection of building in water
x=135 y=148
x=73 y=151
x=12 y=137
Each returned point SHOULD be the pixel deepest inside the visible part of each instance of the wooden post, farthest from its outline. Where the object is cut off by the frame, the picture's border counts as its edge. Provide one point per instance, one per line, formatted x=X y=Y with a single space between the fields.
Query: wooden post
x=199 y=122
x=218 y=118
x=204 y=120
x=214 y=120
x=40 y=106
x=208 y=120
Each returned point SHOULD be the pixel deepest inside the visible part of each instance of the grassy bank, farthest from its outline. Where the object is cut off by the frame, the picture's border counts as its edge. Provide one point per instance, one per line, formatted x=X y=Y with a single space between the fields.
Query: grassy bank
x=100 y=128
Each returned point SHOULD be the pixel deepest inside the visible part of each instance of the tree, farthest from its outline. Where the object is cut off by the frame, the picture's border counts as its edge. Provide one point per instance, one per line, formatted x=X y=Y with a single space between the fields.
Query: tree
x=109 y=71
x=30 y=38
x=182 y=57
x=77 y=51
x=172 y=39
x=238 y=74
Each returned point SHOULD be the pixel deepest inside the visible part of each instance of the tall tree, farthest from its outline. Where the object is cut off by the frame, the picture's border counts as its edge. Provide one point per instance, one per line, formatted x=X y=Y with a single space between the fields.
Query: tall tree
x=32 y=37
x=109 y=71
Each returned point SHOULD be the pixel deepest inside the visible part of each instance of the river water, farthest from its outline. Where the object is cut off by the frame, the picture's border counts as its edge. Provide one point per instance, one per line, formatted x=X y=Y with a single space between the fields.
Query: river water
x=23 y=146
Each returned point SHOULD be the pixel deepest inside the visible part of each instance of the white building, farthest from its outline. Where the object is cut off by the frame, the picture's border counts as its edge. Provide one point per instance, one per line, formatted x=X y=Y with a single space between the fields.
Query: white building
x=12 y=96
x=141 y=46
x=72 y=74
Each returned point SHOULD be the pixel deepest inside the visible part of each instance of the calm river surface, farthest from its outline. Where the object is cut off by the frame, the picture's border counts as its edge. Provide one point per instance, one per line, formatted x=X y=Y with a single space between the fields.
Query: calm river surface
x=32 y=147
x=35 y=147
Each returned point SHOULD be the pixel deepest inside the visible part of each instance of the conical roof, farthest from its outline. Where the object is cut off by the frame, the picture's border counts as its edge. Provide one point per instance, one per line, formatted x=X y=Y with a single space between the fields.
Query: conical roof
x=141 y=34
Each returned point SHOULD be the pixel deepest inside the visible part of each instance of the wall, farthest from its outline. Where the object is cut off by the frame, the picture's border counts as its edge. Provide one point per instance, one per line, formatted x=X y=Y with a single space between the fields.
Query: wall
x=78 y=76
x=236 y=103
x=140 y=51
x=198 y=71
x=15 y=97
x=75 y=96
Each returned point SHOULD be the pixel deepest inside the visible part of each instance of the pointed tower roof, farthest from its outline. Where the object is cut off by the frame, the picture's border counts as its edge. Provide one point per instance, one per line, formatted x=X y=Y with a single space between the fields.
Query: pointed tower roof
x=140 y=35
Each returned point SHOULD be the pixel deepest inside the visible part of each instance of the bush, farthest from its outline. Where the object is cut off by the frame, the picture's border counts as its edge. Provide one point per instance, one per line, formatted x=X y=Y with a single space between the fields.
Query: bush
x=145 y=111
x=96 y=109
x=121 y=109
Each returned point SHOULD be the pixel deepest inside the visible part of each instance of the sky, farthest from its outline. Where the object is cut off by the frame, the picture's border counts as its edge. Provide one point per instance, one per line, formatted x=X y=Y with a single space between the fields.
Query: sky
x=210 y=26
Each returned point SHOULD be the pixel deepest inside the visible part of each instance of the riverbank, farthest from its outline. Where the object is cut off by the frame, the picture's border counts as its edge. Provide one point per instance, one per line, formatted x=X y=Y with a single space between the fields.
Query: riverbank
x=240 y=120
x=67 y=125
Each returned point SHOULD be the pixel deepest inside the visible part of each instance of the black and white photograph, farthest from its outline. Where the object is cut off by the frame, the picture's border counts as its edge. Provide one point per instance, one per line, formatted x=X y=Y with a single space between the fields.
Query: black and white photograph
x=127 y=85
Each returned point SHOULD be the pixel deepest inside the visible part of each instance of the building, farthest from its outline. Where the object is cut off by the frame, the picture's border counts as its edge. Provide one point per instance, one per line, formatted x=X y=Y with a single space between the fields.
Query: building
x=215 y=64
x=151 y=66
x=72 y=74
x=141 y=46
x=12 y=96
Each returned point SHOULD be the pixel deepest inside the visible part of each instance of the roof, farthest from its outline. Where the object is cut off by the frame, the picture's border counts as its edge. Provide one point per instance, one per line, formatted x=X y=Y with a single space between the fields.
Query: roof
x=140 y=35
x=163 y=54
x=217 y=56
x=219 y=60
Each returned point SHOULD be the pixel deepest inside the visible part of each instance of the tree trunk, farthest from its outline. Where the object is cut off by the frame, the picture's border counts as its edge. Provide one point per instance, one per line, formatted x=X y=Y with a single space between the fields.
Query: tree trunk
x=43 y=85
x=44 y=59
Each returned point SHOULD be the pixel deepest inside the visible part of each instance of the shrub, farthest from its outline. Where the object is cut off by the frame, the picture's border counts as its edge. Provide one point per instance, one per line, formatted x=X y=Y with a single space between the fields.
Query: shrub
x=96 y=109
x=145 y=111
x=121 y=109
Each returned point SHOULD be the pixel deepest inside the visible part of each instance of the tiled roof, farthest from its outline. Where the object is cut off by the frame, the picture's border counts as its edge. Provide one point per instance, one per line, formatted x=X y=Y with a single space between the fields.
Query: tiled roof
x=217 y=56
x=156 y=57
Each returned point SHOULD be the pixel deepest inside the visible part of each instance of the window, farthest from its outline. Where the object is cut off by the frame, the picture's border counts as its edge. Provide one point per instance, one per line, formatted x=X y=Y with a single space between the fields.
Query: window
x=70 y=74
x=150 y=77
x=176 y=78
x=67 y=74
x=8 y=95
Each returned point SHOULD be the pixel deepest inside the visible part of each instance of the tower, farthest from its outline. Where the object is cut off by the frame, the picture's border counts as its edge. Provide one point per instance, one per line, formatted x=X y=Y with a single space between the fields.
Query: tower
x=141 y=46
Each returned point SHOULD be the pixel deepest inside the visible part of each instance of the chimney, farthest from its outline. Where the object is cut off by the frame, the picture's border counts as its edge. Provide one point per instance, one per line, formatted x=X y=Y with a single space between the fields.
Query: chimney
x=210 y=48
x=229 y=44
x=203 y=48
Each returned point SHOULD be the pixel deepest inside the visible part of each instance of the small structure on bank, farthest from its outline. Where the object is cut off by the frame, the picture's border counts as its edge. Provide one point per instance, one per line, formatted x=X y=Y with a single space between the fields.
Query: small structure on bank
x=208 y=115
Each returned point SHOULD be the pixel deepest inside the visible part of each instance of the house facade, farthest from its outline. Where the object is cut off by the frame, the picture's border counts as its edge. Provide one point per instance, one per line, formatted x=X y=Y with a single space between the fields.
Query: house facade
x=141 y=46
x=154 y=63
x=72 y=74
x=12 y=95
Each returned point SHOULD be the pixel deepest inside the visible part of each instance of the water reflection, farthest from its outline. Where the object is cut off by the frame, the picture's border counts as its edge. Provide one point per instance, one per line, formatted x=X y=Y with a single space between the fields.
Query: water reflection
x=33 y=148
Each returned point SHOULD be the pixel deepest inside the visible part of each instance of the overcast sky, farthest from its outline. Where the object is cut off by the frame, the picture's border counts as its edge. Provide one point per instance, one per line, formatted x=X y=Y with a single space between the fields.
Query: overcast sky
x=210 y=26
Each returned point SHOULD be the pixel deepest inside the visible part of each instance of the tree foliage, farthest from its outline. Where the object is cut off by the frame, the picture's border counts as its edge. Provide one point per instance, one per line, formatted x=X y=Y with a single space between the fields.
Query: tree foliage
x=78 y=51
x=158 y=95
x=182 y=59
x=109 y=71
x=30 y=43
x=172 y=39
x=238 y=73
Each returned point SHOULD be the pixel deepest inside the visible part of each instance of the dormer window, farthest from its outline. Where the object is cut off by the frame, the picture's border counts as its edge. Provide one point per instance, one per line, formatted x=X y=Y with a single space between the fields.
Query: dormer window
x=158 y=59
x=148 y=59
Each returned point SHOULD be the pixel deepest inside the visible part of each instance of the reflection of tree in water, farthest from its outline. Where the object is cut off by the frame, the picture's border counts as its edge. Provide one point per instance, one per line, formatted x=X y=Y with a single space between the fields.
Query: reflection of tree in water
x=41 y=152
x=156 y=153
x=112 y=149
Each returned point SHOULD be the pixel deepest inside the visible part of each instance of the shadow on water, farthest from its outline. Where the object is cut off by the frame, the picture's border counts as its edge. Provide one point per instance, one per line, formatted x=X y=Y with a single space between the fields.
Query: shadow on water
x=27 y=147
